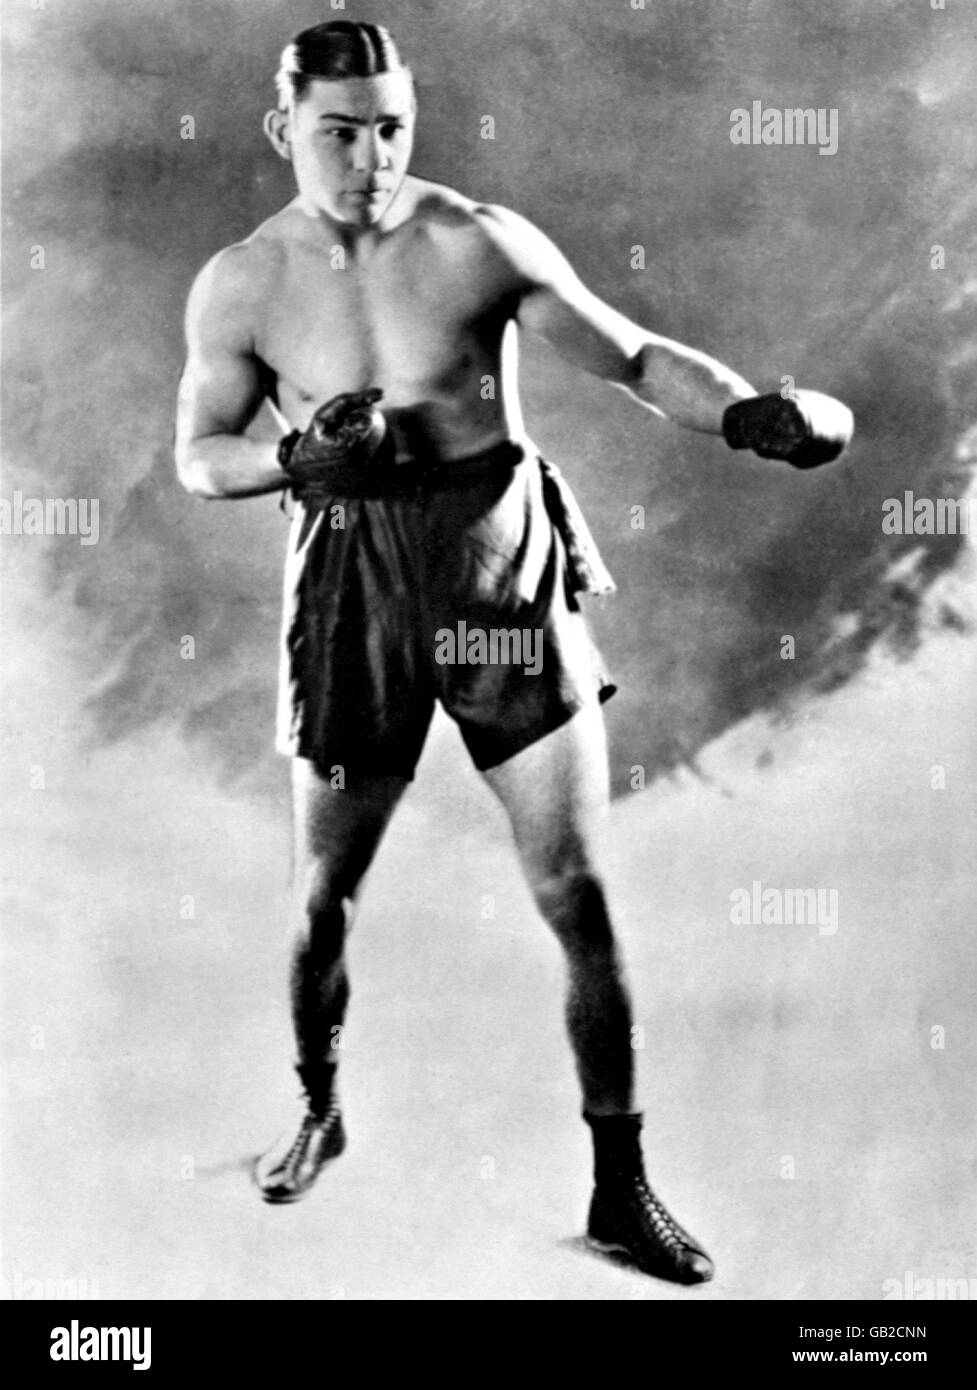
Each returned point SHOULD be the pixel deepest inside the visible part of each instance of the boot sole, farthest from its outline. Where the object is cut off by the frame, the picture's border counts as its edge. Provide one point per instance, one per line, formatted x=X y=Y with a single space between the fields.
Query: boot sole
x=288 y=1199
x=623 y=1255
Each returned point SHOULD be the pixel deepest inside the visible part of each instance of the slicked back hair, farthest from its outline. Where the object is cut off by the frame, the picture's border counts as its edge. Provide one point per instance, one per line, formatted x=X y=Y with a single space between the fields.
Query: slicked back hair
x=336 y=50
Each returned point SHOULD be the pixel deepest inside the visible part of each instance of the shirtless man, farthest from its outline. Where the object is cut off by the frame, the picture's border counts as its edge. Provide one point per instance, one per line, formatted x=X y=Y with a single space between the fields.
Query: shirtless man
x=373 y=284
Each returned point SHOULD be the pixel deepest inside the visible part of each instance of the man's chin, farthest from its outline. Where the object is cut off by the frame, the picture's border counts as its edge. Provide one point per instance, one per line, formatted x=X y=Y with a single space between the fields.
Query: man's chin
x=350 y=211
x=368 y=216
x=357 y=212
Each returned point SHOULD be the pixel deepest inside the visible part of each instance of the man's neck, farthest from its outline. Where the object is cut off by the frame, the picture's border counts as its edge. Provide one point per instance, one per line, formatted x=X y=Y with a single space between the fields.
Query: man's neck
x=359 y=242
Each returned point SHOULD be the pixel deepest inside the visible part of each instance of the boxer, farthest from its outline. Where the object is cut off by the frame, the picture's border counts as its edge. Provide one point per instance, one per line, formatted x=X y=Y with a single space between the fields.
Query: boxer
x=368 y=313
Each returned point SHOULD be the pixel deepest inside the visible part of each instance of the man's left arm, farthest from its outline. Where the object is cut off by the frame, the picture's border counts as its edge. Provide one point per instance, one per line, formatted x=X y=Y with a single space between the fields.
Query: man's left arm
x=684 y=385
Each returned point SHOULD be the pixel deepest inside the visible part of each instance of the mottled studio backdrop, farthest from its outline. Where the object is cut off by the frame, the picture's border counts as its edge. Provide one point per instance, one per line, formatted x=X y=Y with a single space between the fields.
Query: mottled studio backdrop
x=145 y=825
x=612 y=131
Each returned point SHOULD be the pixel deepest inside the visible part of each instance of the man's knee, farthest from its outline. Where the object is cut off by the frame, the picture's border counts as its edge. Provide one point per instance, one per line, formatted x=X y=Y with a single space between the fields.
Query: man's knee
x=573 y=901
x=324 y=908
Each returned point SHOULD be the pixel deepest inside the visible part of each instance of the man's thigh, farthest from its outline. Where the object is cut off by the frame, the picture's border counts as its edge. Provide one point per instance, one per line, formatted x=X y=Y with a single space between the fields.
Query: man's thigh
x=555 y=793
x=337 y=828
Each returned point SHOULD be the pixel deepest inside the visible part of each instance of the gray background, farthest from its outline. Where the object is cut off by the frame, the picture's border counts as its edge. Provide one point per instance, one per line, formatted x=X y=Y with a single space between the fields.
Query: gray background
x=612 y=130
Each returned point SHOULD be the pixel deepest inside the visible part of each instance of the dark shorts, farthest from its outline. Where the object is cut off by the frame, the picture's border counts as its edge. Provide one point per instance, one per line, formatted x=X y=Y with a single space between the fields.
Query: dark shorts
x=448 y=584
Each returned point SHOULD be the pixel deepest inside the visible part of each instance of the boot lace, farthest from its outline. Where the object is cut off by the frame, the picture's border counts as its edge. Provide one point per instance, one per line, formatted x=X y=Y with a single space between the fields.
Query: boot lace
x=666 y=1228
x=309 y=1123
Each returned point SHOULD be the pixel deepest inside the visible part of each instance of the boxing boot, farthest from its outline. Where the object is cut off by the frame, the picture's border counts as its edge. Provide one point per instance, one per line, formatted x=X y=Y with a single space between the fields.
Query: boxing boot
x=627 y=1218
x=288 y=1170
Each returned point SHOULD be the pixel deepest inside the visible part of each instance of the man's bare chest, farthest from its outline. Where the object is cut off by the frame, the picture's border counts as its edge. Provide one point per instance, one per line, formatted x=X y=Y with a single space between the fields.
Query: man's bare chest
x=333 y=323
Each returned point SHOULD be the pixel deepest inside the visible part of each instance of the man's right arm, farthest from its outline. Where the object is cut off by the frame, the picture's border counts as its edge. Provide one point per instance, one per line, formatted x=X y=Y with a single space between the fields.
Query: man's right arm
x=222 y=388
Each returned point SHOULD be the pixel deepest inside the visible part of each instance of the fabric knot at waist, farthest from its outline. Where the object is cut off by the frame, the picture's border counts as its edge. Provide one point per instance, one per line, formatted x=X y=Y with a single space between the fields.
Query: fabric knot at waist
x=413 y=478
x=409 y=477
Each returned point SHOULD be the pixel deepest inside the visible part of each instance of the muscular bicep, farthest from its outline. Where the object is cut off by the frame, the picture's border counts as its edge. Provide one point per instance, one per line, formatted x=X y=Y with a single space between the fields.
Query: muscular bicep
x=555 y=304
x=582 y=328
x=220 y=393
x=223 y=382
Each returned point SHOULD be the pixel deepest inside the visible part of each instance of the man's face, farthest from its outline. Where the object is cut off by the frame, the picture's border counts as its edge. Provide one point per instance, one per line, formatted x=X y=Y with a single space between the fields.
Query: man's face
x=350 y=144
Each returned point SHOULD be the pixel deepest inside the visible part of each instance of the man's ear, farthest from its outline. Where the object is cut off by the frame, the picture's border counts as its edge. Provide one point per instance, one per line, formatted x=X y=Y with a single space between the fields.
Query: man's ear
x=277 y=129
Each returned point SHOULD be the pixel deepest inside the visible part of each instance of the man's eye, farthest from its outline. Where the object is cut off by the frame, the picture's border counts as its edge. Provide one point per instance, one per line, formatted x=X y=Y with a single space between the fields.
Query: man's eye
x=389 y=131
x=341 y=132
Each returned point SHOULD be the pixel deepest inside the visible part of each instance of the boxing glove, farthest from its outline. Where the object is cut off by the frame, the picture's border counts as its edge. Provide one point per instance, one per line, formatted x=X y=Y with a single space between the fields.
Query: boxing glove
x=347 y=430
x=804 y=429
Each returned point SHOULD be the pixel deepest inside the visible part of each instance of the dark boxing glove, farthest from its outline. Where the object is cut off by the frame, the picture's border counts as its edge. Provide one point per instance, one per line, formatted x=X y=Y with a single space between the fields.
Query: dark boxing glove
x=347 y=430
x=805 y=429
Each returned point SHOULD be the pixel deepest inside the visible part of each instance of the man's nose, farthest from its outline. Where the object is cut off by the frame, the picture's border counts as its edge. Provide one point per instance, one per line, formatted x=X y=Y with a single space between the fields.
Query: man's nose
x=370 y=153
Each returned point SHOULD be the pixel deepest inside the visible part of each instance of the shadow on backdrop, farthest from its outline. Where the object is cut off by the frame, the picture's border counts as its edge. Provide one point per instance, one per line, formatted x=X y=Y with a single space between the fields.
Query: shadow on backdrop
x=612 y=132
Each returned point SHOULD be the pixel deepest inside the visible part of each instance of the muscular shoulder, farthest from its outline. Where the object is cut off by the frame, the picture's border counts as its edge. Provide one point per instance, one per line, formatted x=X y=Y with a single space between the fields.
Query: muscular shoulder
x=534 y=256
x=528 y=253
x=435 y=203
x=229 y=292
